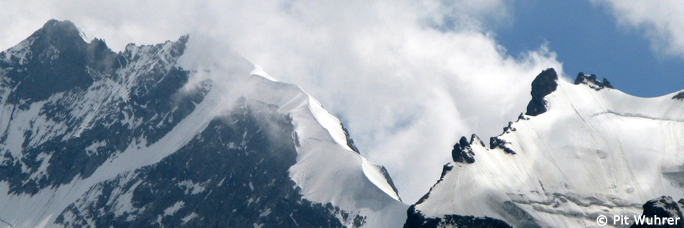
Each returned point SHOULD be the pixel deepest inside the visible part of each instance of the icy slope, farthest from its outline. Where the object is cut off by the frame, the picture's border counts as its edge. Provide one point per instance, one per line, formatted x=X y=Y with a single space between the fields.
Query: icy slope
x=89 y=153
x=595 y=150
x=327 y=169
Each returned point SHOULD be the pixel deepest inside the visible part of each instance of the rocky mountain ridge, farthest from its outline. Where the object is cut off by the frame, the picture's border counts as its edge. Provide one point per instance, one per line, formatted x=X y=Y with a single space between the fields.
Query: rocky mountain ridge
x=90 y=137
x=96 y=138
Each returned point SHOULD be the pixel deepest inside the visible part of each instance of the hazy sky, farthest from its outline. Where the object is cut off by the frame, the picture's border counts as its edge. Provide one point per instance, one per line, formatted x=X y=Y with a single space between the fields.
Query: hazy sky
x=407 y=77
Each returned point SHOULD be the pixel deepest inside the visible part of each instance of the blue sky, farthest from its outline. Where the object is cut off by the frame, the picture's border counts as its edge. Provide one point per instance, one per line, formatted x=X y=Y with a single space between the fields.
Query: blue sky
x=587 y=38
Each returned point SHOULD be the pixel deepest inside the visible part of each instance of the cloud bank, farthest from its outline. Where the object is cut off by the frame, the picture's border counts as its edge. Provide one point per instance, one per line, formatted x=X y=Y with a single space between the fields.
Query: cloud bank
x=407 y=78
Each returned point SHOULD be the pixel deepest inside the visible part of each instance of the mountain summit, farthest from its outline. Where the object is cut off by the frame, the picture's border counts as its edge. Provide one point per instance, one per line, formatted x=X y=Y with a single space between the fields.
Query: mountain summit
x=582 y=150
x=89 y=137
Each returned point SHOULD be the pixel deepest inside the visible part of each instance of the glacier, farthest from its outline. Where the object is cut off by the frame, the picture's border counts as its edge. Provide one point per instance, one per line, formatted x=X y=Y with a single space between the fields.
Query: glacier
x=594 y=151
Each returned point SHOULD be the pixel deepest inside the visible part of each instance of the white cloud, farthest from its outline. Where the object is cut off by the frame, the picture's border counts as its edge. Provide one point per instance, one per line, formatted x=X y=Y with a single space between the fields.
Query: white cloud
x=660 y=20
x=407 y=77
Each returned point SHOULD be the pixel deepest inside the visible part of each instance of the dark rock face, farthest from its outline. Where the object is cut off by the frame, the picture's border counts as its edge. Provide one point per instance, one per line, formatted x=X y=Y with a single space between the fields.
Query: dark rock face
x=462 y=151
x=474 y=139
x=509 y=128
x=592 y=81
x=496 y=142
x=544 y=84
x=233 y=174
x=56 y=62
x=350 y=141
x=679 y=96
x=417 y=220
x=386 y=174
x=662 y=207
x=67 y=107
x=88 y=104
x=607 y=84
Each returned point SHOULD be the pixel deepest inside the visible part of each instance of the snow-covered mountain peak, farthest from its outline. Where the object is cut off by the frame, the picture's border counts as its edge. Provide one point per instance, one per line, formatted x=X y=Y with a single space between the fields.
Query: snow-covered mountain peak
x=59 y=32
x=329 y=169
x=89 y=137
x=323 y=144
x=53 y=38
x=590 y=152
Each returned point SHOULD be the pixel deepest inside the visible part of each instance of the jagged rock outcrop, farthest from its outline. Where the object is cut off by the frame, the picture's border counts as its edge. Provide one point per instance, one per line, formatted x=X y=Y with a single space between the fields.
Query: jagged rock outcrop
x=544 y=84
x=679 y=96
x=592 y=81
x=474 y=139
x=509 y=127
x=462 y=151
x=350 y=141
x=662 y=207
x=496 y=142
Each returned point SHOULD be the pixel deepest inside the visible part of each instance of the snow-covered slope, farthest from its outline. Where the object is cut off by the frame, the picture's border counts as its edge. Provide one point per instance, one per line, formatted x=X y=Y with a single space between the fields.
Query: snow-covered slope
x=588 y=150
x=327 y=169
x=95 y=138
